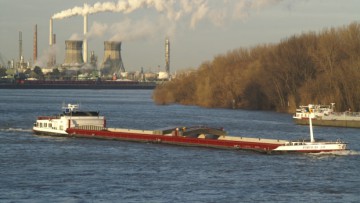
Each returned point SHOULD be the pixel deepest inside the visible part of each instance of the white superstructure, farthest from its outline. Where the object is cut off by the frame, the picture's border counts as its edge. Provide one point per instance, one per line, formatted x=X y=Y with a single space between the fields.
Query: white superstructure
x=325 y=112
x=70 y=117
x=312 y=145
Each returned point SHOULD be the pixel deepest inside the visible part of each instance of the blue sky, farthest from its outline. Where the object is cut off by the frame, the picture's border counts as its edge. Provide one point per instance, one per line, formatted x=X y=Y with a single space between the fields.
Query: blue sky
x=198 y=29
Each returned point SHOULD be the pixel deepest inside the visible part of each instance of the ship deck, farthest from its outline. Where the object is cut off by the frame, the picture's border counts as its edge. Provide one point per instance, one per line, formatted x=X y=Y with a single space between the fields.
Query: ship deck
x=200 y=133
x=189 y=136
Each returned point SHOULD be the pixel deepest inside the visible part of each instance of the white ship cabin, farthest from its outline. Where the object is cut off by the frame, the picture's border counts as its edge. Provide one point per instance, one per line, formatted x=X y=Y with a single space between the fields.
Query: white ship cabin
x=70 y=117
x=318 y=110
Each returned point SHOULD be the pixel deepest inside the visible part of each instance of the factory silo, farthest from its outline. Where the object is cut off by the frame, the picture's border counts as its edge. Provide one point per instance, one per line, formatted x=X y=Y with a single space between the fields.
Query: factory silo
x=112 y=58
x=73 y=53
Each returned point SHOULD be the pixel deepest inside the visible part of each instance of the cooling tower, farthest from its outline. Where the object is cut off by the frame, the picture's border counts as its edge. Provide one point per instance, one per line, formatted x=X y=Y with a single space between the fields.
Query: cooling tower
x=112 y=57
x=73 y=53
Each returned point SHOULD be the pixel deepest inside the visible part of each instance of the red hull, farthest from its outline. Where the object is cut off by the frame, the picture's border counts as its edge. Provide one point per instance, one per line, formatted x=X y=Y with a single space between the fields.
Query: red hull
x=176 y=140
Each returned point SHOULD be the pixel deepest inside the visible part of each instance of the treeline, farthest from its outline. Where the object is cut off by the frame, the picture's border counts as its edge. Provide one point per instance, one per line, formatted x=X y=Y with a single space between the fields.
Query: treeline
x=308 y=68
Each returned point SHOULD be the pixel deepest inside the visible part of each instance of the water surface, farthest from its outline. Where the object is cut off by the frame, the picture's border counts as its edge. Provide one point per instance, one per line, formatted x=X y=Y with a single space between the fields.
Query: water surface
x=51 y=169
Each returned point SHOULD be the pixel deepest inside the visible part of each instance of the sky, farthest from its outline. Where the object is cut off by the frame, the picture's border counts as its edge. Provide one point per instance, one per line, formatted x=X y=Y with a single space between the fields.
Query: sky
x=198 y=30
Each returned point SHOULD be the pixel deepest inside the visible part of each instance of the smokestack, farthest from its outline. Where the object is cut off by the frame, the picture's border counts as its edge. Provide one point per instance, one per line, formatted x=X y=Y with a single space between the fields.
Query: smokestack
x=51 y=32
x=54 y=53
x=35 y=44
x=85 y=40
x=112 y=56
x=52 y=40
x=73 y=53
x=167 y=55
x=20 y=45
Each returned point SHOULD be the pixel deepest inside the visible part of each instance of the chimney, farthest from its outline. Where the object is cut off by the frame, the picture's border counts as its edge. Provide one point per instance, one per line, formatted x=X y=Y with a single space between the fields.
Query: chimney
x=51 y=32
x=20 y=45
x=35 y=44
x=167 y=55
x=85 y=40
x=54 y=52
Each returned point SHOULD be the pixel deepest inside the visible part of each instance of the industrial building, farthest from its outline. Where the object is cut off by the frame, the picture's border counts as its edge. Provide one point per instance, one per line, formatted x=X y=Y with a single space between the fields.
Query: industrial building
x=76 y=57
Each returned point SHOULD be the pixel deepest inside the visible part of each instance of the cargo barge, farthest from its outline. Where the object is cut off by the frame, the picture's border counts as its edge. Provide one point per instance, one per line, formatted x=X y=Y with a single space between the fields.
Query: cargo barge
x=325 y=115
x=75 y=123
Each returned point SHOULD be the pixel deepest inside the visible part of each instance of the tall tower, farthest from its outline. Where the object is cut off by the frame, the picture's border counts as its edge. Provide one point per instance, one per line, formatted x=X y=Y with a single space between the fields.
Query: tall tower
x=21 y=65
x=93 y=59
x=85 y=38
x=52 y=41
x=51 y=32
x=35 y=44
x=53 y=49
x=167 y=55
x=112 y=57
x=20 y=45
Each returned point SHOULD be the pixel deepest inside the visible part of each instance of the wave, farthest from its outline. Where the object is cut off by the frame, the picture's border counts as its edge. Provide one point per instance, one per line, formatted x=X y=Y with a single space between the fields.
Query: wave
x=15 y=130
x=337 y=153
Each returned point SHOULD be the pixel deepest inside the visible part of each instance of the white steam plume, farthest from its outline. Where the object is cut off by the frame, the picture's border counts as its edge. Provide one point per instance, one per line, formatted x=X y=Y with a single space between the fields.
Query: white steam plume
x=127 y=30
x=97 y=30
x=46 y=55
x=242 y=8
x=215 y=11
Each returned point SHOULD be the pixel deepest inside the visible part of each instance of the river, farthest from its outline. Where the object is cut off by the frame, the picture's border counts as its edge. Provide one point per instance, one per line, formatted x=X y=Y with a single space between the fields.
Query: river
x=52 y=169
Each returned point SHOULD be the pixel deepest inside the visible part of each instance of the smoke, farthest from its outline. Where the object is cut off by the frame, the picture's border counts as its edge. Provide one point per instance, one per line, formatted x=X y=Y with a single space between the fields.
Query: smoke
x=46 y=55
x=76 y=36
x=243 y=8
x=97 y=30
x=170 y=14
x=128 y=30
x=199 y=14
x=215 y=11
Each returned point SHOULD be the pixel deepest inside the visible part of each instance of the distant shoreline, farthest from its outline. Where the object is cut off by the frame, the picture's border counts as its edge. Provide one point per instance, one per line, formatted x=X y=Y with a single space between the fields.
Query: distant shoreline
x=79 y=86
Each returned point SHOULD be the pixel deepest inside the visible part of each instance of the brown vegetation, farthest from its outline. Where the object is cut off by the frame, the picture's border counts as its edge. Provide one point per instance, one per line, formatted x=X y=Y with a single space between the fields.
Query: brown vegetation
x=310 y=68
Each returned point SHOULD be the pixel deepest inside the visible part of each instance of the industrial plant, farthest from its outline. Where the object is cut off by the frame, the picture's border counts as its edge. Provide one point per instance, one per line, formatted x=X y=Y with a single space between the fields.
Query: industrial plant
x=77 y=65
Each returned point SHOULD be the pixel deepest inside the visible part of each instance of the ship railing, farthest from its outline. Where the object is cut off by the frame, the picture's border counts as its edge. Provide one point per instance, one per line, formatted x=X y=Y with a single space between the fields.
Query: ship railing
x=90 y=127
x=294 y=143
x=346 y=113
x=340 y=141
x=355 y=114
x=304 y=142
x=47 y=117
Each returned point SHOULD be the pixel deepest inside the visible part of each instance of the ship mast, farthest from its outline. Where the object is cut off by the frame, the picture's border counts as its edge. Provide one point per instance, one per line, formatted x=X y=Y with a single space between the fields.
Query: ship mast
x=310 y=124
